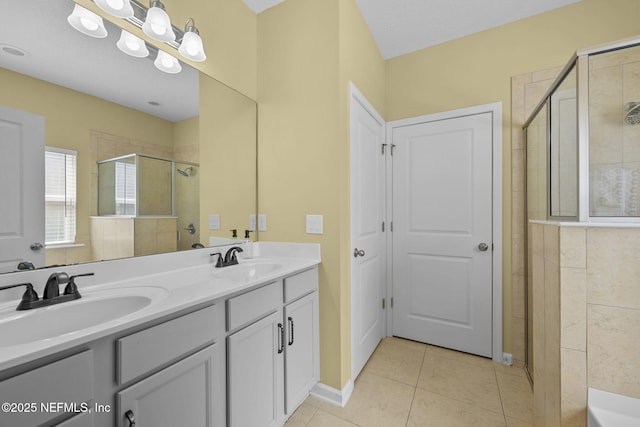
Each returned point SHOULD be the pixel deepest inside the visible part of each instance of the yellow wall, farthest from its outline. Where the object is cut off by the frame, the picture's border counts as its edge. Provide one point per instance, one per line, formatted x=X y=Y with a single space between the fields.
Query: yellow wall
x=308 y=51
x=360 y=62
x=476 y=70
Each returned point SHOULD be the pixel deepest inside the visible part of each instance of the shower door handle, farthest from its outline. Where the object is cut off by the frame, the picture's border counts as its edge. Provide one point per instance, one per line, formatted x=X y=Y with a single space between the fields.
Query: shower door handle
x=483 y=247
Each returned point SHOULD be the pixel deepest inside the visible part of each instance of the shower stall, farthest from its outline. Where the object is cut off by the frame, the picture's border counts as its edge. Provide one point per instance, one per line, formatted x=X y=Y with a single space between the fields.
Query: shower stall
x=582 y=163
x=154 y=202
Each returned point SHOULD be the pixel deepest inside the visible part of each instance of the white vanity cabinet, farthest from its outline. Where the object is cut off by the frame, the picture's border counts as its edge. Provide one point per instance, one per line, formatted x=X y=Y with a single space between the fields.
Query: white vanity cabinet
x=272 y=350
x=51 y=391
x=187 y=392
x=180 y=395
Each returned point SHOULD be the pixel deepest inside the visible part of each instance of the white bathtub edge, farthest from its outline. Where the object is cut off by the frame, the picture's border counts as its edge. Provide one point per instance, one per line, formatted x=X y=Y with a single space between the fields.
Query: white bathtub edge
x=607 y=409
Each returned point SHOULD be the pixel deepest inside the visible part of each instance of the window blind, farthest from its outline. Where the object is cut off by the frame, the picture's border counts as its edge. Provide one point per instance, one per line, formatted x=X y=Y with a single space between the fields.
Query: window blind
x=60 y=196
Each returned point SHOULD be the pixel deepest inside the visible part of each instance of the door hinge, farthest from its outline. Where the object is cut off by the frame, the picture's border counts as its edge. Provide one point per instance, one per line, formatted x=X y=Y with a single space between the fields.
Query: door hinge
x=492 y=246
x=392 y=147
x=383 y=226
x=383 y=303
x=391 y=302
x=383 y=147
x=391 y=226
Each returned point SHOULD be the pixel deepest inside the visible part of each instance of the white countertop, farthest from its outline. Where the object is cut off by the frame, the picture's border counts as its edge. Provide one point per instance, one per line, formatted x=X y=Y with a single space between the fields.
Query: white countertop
x=192 y=281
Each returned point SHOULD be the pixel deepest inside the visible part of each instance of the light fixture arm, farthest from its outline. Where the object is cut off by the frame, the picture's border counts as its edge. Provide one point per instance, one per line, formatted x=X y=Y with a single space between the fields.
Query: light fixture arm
x=191 y=28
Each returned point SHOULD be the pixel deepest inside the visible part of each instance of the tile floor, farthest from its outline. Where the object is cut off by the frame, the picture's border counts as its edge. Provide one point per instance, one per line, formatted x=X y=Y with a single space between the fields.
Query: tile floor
x=406 y=383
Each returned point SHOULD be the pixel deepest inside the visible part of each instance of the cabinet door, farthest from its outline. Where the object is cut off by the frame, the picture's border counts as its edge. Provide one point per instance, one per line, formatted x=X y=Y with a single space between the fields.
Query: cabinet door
x=301 y=364
x=184 y=394
x=255 y=373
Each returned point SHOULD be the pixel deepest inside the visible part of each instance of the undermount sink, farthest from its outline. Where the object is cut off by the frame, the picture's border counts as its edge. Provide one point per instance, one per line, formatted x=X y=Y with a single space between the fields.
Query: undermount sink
x=94 y=308
x=247 y=271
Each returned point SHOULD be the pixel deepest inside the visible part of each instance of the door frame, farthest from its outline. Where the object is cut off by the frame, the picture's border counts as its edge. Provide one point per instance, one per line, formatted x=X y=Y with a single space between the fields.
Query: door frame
x=356 y=96
x=496 y=118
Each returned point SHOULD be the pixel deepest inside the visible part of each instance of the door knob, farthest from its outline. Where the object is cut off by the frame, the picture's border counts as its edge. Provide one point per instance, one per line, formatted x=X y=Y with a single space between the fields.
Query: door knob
x=36 y=246
x=483 y=247
x=357 y=253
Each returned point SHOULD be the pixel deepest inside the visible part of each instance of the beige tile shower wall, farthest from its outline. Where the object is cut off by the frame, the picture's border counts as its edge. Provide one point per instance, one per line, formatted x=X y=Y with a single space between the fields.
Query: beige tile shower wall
x=573 y=326
x=155 y=187
x=546 y=326
x=599 y=316
x=155 y=235
x=613 y=310
x=526 y=92
x=111 y=237
x=614 y=81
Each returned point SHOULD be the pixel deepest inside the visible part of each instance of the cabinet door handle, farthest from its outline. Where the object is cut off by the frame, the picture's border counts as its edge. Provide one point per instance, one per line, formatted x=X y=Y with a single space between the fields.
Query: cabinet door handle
x=131 y=418
x=290 y=319
x=280 y=338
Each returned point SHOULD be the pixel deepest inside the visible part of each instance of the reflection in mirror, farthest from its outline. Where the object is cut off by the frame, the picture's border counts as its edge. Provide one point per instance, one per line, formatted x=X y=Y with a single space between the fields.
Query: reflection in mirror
x=102 y=104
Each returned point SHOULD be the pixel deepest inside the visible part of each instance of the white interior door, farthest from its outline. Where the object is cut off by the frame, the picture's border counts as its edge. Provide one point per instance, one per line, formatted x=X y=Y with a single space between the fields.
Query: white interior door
x=367 y=236
x=442 y=220
x=22 y=189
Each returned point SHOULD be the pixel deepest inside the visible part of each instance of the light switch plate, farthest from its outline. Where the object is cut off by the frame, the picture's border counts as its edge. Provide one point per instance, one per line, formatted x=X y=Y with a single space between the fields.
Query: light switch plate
x=314 y=224
x=262 y=222
x=252 y=222
x=214 y=222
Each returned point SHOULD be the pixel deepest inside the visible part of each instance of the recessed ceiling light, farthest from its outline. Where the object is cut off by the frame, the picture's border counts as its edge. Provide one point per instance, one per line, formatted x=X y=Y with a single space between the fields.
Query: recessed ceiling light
x=154 y=103
x=13 y=50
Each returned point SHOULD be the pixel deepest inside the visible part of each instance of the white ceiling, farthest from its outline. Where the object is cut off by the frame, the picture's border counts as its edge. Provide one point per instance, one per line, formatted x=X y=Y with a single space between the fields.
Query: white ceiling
x=404 y=26
x=58 y=53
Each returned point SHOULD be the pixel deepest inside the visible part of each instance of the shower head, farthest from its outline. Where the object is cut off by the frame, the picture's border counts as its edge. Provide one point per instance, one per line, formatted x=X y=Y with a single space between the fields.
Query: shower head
x=632 y=113
x=185 y=171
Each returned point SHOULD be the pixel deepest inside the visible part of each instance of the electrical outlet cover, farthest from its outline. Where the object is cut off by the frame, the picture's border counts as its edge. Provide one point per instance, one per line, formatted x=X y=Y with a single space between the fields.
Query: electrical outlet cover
x=214 y=222
x=314 y=224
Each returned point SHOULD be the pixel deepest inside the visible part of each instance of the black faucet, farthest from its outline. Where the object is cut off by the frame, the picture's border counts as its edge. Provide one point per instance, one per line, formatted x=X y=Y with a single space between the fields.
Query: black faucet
x=51 y=293
x=29 y=297
x=229 y=258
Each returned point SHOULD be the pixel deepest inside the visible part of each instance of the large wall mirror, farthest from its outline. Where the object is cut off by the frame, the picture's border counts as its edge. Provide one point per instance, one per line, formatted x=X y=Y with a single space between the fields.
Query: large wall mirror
x=152 y=155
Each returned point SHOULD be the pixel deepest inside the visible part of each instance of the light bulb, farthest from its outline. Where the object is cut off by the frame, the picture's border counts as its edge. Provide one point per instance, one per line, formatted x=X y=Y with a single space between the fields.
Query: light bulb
x=167 y=63
x=132 y=45
x=118 y=8
x=191 y=46
x=157 y=24
x=87 y=22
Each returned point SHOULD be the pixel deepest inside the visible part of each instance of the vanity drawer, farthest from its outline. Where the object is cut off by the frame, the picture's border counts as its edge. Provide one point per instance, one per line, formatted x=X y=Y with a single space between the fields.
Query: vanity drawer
x=68 y=381
x=253 y=305
x=300 y=284
x=146 y=350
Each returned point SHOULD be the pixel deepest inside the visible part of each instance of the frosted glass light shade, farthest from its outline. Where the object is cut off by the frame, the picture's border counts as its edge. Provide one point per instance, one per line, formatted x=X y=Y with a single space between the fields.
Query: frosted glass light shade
x=118 y=8
x=167 y=63
x=132 y=45
x=191 y=47
x=157 y=24
x=87 y=22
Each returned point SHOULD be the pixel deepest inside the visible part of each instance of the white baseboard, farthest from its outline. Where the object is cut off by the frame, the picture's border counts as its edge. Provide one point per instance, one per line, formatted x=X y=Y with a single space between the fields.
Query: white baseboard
x=332 y=395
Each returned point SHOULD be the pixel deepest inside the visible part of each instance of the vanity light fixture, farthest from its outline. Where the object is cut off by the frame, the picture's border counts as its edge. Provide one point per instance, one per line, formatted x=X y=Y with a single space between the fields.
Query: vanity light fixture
x=117 y=8
x=132 y=45
x=191 y=45
x=167 y=63
x=87 y=22
x=157 y=24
